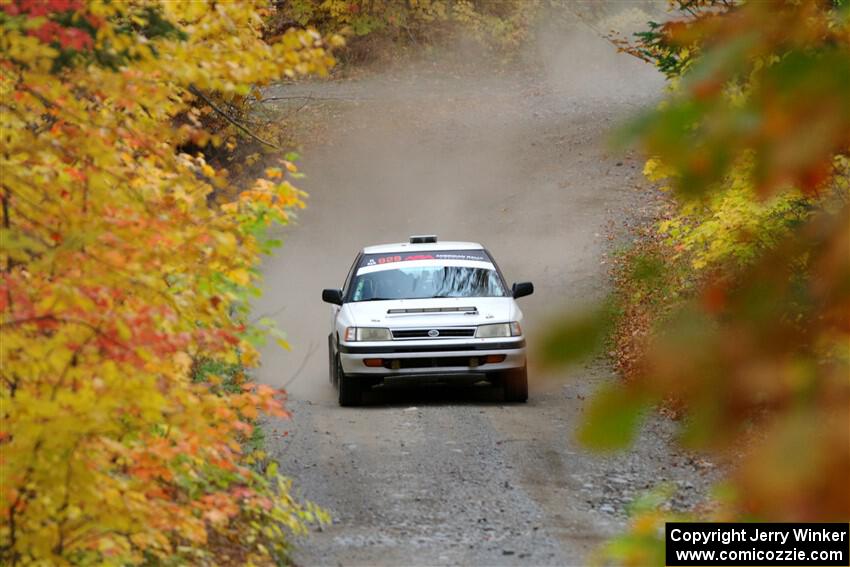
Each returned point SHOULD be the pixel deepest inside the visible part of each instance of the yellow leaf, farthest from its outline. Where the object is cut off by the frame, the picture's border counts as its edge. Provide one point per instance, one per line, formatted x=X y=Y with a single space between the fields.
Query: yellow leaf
x=240 y=276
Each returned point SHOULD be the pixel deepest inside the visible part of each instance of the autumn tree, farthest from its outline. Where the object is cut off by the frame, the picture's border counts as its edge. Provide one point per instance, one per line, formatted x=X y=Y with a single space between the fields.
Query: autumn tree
x=748 y=285
x=121 y=279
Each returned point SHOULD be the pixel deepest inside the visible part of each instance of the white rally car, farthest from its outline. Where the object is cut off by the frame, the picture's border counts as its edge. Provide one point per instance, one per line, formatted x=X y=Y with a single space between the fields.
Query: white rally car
x=426 y=311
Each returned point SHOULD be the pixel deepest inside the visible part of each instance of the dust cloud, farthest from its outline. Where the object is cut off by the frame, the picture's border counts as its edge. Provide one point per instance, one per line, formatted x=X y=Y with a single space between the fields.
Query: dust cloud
x=458 y=145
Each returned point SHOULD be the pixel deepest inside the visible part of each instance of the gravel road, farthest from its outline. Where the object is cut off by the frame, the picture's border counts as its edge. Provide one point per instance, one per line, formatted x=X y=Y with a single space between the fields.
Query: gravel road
x=517 y=161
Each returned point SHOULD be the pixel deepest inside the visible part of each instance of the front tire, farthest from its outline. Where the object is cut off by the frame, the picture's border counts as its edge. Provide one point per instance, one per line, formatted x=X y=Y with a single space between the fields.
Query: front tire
x=515 y=385
x=350 y=389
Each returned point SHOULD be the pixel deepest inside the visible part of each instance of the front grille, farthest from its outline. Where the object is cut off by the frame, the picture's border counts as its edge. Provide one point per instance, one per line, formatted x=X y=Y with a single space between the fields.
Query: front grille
x=442 y=361
x=444 y=333
x=436 y=362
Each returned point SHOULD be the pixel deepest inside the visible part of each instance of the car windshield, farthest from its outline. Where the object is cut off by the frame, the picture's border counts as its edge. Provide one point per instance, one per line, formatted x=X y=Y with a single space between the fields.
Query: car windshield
x=422 y=282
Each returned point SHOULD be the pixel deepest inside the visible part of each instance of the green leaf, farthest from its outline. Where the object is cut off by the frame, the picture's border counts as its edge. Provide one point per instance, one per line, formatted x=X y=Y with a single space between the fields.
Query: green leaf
x=576 y=337
x=612 y=418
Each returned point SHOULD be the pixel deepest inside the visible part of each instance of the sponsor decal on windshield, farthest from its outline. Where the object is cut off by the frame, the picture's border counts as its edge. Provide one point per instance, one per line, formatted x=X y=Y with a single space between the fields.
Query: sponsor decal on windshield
x=379 y=260
x=473 y=255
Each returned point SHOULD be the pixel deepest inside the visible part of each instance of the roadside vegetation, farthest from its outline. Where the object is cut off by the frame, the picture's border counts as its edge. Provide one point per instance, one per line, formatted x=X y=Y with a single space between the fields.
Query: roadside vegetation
x=735 y=306
x=387 y=25
x=129 y=429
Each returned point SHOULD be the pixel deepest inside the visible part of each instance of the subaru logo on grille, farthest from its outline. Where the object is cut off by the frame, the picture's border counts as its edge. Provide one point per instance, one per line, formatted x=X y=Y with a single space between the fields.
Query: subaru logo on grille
x=433 y=333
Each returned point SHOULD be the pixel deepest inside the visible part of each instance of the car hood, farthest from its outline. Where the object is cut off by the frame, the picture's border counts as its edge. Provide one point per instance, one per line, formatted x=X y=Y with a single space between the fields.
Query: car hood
x=410 y=312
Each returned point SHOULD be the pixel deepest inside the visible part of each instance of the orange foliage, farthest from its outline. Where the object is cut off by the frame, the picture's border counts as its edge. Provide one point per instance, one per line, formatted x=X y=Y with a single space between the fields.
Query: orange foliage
x=117 y=274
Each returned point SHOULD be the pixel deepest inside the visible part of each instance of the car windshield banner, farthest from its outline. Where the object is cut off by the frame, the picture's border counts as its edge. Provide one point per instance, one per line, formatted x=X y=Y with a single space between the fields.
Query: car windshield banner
x=391 y=258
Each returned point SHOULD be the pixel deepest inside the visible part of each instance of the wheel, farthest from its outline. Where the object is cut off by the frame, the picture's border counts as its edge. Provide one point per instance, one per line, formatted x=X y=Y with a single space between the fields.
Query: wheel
x=350 y=390
x=515 y=385
x=331 y=361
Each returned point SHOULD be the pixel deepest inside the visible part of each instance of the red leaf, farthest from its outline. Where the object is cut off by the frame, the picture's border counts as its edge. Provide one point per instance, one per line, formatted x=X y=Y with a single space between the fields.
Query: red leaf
x=74 y=38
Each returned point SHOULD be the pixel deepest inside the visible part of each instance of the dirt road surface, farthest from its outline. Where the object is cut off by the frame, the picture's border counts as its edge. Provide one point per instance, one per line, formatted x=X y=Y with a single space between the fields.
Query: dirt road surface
x=517 y=161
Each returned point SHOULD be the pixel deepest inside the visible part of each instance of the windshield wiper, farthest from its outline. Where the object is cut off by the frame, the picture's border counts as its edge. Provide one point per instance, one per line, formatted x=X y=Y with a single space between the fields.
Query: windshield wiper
x=377 y=299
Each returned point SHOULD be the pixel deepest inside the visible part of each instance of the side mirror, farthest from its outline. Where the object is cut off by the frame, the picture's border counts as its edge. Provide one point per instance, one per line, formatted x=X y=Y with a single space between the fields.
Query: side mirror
x=521 y=289
x=332 y=296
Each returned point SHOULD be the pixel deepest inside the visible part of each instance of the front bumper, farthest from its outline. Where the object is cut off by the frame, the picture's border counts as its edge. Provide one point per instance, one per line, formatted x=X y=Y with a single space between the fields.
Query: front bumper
x=433 y=357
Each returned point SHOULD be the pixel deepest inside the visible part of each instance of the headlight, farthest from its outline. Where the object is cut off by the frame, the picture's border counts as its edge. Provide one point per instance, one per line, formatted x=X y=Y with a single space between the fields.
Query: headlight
x=367 y=334
x=498 y=330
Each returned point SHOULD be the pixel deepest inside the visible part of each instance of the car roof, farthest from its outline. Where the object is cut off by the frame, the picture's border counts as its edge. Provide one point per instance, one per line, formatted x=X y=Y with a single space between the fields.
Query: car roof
x=425 y=247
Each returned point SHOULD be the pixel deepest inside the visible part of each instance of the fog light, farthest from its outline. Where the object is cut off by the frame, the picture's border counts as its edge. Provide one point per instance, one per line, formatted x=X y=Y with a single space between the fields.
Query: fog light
x=374 y=362
x=494 y=358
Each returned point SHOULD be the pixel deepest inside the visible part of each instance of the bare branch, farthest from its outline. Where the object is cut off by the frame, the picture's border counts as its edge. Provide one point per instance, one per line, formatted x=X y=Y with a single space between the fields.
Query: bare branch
x=232 y=120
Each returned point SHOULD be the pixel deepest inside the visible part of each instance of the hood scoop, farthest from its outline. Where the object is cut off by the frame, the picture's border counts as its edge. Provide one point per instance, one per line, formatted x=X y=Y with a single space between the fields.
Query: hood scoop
x=430 y=310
